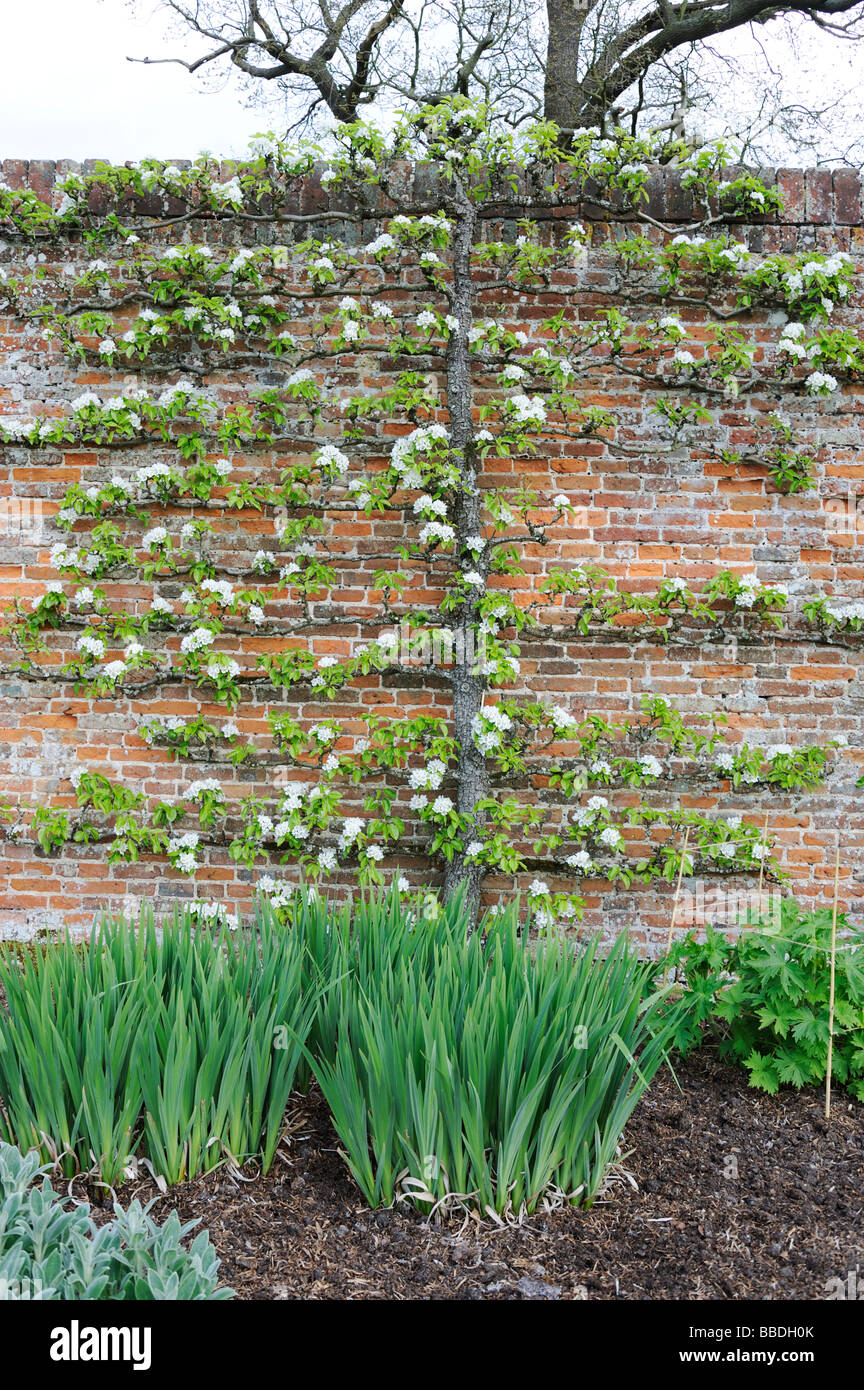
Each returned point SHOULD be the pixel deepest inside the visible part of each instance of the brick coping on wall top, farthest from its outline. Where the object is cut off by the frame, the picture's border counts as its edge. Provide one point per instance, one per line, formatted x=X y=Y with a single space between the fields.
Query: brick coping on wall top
x=815 y=197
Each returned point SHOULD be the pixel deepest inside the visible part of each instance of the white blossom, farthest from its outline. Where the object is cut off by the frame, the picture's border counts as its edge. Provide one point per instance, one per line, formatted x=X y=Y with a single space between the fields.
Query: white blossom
x=437 y=531
x=206 y=784
x=196 y=639
x=527 y=410
x=650 y=766
x=778 y=750
x=154 y=537
x=512 y=373
x=383 y=242
x=822 y=383
x=94 y=646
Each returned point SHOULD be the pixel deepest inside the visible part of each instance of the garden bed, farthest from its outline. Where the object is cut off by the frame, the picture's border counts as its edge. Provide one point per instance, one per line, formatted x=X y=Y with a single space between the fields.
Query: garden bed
x=792 y=1220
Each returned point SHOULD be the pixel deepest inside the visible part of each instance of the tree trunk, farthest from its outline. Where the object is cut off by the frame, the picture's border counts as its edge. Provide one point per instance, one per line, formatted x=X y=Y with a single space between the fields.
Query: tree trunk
x=562 y=98
x=467 y=686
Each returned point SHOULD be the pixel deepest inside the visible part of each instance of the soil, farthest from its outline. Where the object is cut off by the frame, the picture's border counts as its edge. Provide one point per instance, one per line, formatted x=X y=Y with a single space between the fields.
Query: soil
x=682 y=1225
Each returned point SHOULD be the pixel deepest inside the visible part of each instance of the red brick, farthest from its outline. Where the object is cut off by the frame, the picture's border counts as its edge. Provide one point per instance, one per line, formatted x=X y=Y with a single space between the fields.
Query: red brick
x=820 y=196
x=847 y=196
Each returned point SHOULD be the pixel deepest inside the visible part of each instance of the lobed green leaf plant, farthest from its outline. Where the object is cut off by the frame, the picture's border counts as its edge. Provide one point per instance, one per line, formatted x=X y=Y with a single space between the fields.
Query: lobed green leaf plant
x=765 y=998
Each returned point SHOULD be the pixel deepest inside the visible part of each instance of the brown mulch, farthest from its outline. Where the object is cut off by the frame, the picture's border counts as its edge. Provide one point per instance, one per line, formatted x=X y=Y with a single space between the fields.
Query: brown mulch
x=792 y=1219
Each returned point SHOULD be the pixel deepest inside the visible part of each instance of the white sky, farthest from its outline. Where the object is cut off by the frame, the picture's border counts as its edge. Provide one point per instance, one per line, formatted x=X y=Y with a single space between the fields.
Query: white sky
x=67 y=91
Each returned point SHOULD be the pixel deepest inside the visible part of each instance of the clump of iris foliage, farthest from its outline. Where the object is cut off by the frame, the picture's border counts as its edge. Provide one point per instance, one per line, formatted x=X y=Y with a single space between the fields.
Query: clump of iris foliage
x=491 y=1070
x=152 y=1042
x=497 y=1070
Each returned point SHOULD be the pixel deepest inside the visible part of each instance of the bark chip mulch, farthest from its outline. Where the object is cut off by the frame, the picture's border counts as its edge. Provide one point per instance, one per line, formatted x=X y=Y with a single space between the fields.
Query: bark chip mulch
x=737 y=1195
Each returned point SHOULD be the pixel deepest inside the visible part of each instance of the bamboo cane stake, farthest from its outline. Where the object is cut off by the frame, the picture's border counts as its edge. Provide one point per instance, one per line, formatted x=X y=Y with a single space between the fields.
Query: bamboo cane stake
x=762 y=863
x=831 y=987
x=677 y=895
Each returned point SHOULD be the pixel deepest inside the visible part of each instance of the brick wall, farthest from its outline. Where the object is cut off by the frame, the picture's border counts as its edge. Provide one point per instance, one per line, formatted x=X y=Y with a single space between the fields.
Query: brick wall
x=673 y=513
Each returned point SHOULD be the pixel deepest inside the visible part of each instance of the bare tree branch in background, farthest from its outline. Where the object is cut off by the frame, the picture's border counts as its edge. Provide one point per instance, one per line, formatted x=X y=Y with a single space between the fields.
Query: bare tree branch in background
x=263 y=42
x=700 y=67
x=581 y=94
x=347 y=56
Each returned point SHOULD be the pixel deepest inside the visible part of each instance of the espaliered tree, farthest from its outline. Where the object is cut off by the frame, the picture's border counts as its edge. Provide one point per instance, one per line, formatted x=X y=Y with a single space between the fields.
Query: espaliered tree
x=431 y=306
